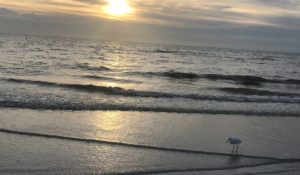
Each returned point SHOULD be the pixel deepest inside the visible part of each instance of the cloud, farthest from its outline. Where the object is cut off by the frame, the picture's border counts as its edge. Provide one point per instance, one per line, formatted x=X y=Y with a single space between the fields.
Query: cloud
x=258 y=24
x=93 y=2
x=280 y=3
x=252 y=12
x=5 y=11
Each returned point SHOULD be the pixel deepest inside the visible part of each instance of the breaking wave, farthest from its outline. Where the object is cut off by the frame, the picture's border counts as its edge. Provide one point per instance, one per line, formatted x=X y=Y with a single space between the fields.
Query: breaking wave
x=37 y=104
x=137 y=93
x=249 y=79
x=241 y=79
x=248 y=91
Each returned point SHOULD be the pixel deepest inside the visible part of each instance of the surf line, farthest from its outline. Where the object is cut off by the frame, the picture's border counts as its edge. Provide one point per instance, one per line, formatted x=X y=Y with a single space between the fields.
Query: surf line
x=147 y=94
x=32 y=134
x=200 y=169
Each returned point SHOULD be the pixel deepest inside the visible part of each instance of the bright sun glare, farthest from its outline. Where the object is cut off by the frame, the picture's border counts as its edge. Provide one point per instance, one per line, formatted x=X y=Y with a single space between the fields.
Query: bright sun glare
x=118 y=8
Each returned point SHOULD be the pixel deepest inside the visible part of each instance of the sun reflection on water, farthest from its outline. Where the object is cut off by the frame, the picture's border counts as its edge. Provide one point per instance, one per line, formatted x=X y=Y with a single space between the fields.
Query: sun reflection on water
x=108 y=121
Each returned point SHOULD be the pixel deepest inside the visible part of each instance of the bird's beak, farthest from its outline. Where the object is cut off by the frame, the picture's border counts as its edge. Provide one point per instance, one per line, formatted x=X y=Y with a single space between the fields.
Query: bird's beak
x=227 y=141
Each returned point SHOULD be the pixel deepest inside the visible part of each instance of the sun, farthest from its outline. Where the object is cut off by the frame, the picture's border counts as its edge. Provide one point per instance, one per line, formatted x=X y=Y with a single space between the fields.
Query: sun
x=118 y=8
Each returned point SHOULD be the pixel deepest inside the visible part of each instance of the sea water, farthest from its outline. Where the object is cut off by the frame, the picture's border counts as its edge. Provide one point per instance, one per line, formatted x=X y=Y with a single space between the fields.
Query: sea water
x=77 y=106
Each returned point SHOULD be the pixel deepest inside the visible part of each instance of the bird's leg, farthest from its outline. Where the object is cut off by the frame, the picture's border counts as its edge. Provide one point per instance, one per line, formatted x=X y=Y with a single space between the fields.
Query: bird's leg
x=237 y=148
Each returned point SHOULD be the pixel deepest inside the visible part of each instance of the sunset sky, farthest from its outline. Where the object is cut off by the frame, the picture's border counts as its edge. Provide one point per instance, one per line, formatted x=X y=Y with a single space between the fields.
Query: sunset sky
x=253 y=24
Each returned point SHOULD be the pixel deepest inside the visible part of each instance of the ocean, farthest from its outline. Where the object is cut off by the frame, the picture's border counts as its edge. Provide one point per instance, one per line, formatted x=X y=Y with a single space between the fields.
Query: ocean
x=79 y=106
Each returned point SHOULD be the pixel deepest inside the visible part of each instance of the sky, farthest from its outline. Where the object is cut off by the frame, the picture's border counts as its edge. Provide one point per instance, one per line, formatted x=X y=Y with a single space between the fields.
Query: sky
x=249 y=24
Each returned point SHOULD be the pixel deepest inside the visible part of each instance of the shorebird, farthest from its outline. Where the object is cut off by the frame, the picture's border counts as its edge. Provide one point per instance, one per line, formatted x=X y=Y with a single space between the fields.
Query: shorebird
x=234 y=142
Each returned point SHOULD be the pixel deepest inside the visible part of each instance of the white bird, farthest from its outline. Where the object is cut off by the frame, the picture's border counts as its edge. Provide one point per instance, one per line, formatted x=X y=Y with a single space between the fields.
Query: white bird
x=234 y=142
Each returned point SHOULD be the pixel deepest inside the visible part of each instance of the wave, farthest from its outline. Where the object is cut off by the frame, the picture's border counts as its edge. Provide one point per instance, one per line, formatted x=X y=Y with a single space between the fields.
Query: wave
x=58 y=49
x=173 y=51
x=263 y=58
x=174 y=74
x=249 y=79
x=82 y=87
x=82 y=106
x=96 y=77
x=240 y=79
x=137 y=93
x=165 y=51
x=86 y=66
x=248 y=91
x=268 y=58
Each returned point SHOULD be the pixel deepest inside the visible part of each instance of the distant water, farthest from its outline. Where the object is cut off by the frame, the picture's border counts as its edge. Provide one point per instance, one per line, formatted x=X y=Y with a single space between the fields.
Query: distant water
x=74 y=74
x=54 y=79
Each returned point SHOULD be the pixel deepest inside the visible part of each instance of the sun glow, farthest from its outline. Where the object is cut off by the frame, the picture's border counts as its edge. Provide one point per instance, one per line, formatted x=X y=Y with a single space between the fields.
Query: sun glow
x=118 y=8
